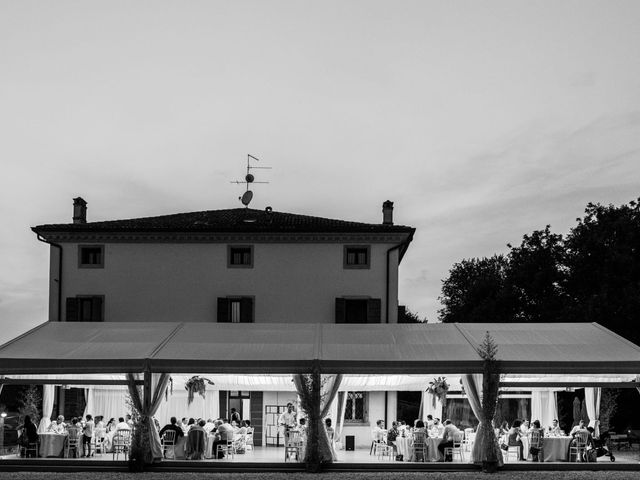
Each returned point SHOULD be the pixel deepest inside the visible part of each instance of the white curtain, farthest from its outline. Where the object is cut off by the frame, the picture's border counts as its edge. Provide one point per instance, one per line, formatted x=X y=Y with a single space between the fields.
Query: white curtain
x=431 y=405
x=110 y=403
x=89 y=397
x=176 y=406
x=48 y=392
x=592 y=402
x=543 y=407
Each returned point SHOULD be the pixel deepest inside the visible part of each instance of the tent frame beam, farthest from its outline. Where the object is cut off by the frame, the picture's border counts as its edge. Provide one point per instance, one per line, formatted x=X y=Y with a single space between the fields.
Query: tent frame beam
x=63 y=381
x=569 y=384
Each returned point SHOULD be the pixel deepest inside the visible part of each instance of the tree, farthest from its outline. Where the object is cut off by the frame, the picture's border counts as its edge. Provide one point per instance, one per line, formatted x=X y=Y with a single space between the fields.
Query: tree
x=603 y=259
x=408 y=316
x=30 y=401
x=477 y=291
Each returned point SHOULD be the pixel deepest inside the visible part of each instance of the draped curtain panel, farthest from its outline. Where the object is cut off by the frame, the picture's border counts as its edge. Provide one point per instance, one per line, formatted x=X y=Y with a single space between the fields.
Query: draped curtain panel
x=147 y=408
x=431 y=405
x=544 y=407
x=473 y=388
x=176 y=406
x=89 y=397
x=592 y=401
x=329 y=390
x=110 y=403
x=48 y=392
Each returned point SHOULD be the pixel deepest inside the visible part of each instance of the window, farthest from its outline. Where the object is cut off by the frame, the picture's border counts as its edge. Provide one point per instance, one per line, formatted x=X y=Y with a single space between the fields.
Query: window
x=356 y=256
x=85 y=308
x=355 y=410
x=240 y=256
x=358 y=310
x=235 y=309
x=91 y=256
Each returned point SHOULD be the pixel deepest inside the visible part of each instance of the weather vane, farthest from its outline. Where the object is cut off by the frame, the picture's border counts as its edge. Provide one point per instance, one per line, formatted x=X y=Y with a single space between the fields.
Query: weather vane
x=249 y=178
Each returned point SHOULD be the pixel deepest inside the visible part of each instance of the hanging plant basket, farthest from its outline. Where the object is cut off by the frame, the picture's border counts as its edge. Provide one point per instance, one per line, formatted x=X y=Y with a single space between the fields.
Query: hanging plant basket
x=438 y=388
x=196 y=384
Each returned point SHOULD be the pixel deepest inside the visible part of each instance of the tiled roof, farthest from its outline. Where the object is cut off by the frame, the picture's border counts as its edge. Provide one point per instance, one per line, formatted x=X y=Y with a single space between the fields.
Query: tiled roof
x=231 y=220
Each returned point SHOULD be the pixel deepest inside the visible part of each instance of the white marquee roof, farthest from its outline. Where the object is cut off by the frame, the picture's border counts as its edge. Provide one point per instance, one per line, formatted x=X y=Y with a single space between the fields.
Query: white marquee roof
x=277 y=348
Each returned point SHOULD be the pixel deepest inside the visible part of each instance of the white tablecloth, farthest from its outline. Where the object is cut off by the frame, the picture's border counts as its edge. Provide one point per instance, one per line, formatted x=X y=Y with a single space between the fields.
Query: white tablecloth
x=404 y=445
x=51 y=444
x=405 y=448
x=556 y=449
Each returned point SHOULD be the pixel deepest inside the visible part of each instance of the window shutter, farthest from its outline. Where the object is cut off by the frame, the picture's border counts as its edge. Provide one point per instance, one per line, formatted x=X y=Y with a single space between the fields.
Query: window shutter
x=246 y=310
x=96 y=309
x=341 y=310
x=72 y=309
x=223 y=309
x=374 y=309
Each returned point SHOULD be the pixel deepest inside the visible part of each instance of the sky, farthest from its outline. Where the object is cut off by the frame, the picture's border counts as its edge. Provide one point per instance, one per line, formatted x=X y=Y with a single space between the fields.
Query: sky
x=481 y=121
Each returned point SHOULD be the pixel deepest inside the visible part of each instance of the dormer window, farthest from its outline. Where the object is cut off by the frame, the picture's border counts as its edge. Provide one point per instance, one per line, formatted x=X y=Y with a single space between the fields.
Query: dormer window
x=240 y=256
x=356 y=256
x=91 y=256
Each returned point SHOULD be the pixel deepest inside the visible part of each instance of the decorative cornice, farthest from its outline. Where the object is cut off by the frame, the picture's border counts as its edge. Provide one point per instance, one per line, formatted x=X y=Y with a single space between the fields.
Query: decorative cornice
x=183 y=237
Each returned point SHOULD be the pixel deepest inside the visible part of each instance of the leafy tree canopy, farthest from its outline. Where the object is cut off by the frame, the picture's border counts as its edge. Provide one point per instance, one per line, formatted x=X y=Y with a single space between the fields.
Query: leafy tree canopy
x=590 y=275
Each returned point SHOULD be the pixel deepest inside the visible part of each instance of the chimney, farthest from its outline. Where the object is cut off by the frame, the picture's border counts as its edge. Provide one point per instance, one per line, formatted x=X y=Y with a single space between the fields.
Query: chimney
x=79 y=210
x=387 y=213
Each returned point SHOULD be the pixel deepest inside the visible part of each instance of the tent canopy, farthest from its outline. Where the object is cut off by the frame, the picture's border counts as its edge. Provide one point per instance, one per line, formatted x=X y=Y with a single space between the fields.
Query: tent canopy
x=277 y=348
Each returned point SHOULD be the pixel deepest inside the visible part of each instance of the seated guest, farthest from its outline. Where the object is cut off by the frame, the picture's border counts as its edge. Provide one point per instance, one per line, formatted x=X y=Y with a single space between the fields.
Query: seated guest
x=330 y=431
x=99 y=421
x=242 y=430
x=514 y=438
x=173 y=426
x=419 y=427
x=536 y=433
x=578 y=427
x=129 y=420
x=429 y=421
x=191 y=424
x=504 y=428
x=302 y=427
x=122 y=425
x=437 y=431
x=447 y=438
x=209 y=426
x=111 y=425
x=393 y=432
x=378 y=433
x=554 y=429
x=29 y=434
x=183 y=425
x=196 y=441
x=224 y=435
x=58 y=426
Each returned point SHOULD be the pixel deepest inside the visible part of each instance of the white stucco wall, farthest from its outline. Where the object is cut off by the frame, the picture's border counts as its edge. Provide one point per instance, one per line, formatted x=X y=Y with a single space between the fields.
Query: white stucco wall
x=295 y=283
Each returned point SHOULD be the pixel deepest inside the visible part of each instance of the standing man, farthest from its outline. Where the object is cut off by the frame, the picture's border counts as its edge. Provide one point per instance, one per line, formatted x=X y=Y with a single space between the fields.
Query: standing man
x=235 y=416
x=288 y=420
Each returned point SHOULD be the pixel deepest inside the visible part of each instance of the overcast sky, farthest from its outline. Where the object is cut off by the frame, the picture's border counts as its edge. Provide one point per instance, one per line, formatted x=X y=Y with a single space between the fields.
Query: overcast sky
x=481 y=120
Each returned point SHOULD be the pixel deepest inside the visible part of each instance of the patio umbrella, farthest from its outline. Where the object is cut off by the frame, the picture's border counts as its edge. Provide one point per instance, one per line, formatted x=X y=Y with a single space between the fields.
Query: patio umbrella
x=576 y=411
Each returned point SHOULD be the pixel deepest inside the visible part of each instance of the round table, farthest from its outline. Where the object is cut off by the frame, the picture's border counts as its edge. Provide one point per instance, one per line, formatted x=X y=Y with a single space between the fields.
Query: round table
x=404 y=445
x=52 y=444
x=405 y=448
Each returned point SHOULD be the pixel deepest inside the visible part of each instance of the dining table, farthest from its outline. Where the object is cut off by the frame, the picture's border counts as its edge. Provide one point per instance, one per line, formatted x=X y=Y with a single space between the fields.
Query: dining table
x=404 y=445
x=556 y=449
x=52 y=444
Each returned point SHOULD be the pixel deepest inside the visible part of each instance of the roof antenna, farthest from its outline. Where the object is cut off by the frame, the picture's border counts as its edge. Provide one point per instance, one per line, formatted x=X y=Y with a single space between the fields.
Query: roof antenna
x=249 y=178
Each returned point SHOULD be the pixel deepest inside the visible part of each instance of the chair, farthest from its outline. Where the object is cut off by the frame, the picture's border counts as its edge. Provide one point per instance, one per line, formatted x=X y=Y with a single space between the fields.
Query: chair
x=29 y=447
x=227 y=449
x=456 y=449
x=420 y=446
x=579 y=445
x=536 y=442
x=121 y=443
x=248 y=439
x=196 y=443
x=292 y=444
x=469 y=439
x=73 y=442
x=97 y=441
x=169 y=443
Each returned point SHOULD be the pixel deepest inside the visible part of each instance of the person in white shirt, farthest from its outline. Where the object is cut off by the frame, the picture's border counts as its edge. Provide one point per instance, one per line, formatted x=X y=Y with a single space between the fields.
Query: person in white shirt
x=58 y=426
x=209 y=426
x=122 y=425
x=580 y=426
x=429 y=421
x=288 y=420
x=524 y=428
x=378 y=433
x=555 y=428
x=130 y=420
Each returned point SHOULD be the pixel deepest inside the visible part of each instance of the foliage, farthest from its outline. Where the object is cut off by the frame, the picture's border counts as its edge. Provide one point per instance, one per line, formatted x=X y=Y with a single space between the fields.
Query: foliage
x=409 y=316
x=197 y=385
x=590 y=275
x=439 y=388
x=139 y=439
x=608 y=407
x=489 y=453
x=29 y=403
